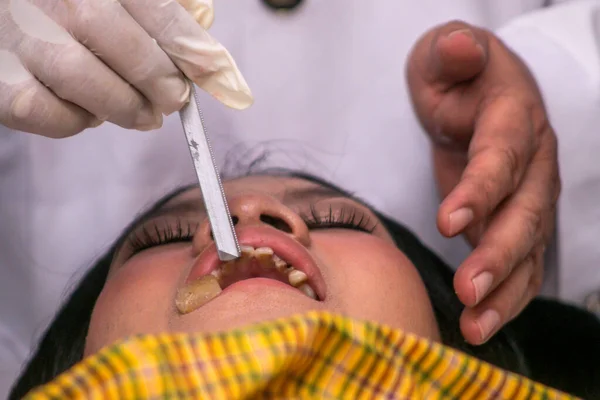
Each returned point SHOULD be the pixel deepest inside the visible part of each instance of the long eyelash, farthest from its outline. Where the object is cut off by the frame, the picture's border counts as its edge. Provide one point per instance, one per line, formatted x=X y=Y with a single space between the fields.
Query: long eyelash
x=344 y=218
x=152 y=235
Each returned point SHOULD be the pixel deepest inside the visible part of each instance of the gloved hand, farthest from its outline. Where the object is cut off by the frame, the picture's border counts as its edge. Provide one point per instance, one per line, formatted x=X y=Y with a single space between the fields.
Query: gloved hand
x=496 y=164
x=66 y=65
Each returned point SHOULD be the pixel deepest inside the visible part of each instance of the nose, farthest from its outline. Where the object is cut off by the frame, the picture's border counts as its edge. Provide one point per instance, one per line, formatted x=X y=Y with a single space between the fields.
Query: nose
x=256 y=209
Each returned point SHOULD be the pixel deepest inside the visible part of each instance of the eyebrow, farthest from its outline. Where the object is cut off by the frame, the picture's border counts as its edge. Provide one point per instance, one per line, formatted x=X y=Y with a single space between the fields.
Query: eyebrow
x=311 y=193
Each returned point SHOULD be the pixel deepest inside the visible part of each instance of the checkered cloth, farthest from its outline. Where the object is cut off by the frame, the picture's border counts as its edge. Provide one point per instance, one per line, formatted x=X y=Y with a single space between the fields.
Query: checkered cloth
x=311 y=356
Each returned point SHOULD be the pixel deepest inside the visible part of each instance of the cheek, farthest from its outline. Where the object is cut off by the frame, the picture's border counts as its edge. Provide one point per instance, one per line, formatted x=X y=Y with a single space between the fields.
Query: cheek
x=369 y=278
x=364 y=262
x=139 y=298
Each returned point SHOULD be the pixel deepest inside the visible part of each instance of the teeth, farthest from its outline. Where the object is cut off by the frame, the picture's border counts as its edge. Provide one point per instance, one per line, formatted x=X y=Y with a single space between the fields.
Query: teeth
x=247 y=251
x=264 y=255
x=267 y=259
x=280 y=265
x=263 y=251
x=297 y=277
x=307 y=290
x=226 y=269
x=197 y=293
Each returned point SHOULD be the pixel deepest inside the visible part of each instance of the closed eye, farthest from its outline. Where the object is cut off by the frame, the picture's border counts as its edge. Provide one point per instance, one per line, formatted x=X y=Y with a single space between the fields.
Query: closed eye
x=346 y=217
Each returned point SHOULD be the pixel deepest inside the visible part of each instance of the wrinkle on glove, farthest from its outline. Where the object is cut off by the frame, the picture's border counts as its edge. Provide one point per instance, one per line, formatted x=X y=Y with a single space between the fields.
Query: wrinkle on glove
x=66 y=65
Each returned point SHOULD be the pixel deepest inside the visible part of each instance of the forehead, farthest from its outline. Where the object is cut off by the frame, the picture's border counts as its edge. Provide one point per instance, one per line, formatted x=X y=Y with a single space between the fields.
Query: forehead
x=277 y=186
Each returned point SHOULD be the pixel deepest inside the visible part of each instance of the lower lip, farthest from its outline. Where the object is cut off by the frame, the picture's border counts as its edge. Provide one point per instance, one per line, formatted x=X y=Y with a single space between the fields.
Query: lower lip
x=257 y=284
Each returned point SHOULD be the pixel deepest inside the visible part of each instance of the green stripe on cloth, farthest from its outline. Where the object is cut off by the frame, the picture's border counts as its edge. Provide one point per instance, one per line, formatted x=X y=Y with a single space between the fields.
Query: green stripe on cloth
x=311 y=356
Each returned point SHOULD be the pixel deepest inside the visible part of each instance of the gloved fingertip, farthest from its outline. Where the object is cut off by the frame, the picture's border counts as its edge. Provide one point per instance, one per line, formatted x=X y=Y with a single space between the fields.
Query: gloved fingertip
x=230 y=88
x=148 y=120
x=237 y=100
x=201 y=10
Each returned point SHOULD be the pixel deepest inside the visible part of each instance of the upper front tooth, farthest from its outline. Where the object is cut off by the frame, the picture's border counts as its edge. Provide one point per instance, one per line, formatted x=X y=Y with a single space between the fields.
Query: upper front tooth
x=247 y=251
x=264 y=250
x=264 y=255
x=297 y=277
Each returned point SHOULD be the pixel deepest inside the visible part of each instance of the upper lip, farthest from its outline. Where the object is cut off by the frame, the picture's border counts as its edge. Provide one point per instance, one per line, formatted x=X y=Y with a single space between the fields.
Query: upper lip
x=288 y=249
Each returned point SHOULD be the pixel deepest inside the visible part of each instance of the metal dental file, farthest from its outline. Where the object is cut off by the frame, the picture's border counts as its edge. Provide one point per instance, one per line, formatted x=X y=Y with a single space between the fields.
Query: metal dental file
x=209 y=179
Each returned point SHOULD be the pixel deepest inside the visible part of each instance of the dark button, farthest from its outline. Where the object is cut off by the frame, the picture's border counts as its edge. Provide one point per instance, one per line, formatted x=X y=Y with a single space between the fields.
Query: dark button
x=282 y=4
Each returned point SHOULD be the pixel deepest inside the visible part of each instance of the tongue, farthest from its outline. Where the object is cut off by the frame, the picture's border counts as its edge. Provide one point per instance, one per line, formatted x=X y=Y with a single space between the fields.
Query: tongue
x=231 y=274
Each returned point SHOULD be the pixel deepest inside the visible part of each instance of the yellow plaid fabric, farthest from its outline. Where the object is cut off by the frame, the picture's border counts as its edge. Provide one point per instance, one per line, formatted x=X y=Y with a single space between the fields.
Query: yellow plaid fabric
x=312 y=356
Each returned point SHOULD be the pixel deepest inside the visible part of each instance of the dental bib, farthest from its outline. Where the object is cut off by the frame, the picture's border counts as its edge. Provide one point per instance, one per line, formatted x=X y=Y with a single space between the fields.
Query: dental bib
x=312 y=356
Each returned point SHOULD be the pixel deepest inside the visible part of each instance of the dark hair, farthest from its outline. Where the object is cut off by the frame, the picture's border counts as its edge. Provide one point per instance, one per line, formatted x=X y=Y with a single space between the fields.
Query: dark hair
x=63 y=342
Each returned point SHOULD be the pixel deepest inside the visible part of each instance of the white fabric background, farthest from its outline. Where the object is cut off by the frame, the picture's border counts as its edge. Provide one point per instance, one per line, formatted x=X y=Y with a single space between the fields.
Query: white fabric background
x=331 y=99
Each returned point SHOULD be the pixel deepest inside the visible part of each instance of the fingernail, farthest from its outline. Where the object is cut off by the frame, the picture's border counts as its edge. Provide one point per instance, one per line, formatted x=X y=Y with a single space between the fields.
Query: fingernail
x=465 y=32
x=482 y=283
x=487 y=322
x=459 y=219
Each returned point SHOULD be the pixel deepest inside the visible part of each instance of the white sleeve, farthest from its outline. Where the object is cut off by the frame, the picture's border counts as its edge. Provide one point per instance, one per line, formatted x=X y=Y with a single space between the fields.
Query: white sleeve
x=560 y=45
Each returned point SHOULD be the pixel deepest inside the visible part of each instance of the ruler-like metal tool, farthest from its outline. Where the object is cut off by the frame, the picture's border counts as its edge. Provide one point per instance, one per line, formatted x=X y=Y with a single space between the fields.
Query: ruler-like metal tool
x=209 y=179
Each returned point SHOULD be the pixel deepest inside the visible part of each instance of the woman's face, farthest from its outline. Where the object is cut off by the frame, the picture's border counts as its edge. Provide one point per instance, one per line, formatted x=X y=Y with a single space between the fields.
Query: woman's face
x=351 y=264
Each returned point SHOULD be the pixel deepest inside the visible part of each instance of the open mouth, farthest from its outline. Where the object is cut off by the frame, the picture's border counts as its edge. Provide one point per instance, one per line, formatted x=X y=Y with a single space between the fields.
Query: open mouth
x=260 y=262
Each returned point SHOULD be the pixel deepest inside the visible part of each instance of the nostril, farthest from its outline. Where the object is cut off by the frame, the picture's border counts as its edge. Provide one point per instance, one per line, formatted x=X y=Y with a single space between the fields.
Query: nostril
x=234 y=220
x=277 y=223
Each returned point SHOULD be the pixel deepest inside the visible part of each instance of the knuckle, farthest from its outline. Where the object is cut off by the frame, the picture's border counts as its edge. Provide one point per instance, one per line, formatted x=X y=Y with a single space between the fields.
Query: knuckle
x=173 y=102
x=556 y=190
x=532 y=221
x=534 y=286
x=67 y=63
x=516 y=295
x=504 y=177
x=536 y=266
x=528 y=287
x=84 y=15
x=557 y=187
x=540 y=124
x=72 y=55
x=22 y=107
x=535 y=283
x=505 y=261
x=484 y=192
x=509 y=161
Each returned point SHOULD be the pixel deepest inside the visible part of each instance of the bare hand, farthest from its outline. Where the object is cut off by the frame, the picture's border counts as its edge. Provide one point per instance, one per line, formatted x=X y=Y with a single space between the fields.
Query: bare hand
x=496 y=164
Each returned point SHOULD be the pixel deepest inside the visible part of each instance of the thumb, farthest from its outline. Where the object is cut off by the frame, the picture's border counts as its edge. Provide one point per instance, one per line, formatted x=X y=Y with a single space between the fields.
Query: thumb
x=447 y=55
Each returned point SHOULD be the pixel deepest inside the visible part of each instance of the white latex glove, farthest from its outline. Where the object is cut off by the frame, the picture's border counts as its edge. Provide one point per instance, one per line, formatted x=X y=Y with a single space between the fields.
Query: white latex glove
x=66 y=65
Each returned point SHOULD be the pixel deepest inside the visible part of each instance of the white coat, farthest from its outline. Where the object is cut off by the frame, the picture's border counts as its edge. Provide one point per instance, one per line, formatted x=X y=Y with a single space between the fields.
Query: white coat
x=330 y=99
